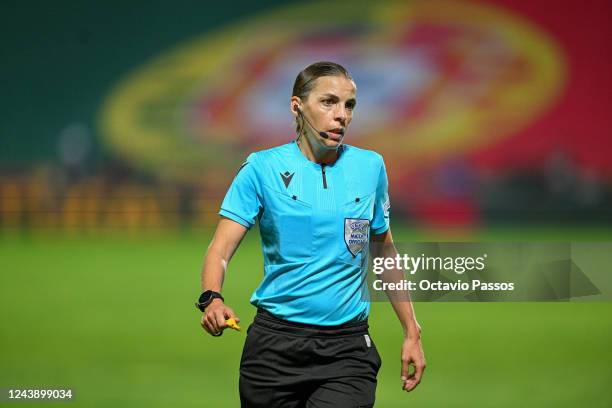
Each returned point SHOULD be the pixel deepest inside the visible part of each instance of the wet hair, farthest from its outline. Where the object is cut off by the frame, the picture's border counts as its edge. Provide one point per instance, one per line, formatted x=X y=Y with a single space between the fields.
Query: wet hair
x=306 y=81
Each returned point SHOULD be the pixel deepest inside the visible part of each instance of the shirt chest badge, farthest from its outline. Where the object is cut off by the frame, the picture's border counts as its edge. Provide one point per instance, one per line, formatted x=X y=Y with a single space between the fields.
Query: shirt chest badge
x=286 y=176
x=356 y=234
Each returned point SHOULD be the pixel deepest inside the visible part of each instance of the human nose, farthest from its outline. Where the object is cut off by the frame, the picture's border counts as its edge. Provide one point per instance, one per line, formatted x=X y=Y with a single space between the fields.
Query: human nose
x=341 y=115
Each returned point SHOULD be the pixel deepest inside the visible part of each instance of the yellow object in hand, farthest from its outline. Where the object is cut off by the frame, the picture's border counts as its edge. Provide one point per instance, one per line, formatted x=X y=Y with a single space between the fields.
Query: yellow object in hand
x=232 y=323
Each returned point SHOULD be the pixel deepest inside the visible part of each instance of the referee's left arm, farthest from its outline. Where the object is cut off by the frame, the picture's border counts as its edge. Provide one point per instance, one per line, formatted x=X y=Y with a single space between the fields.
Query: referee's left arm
x=412 y=349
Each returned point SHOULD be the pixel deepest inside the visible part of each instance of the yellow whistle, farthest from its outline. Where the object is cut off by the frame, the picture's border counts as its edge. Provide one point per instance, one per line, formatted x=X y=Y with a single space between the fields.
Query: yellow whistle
x=232 y=323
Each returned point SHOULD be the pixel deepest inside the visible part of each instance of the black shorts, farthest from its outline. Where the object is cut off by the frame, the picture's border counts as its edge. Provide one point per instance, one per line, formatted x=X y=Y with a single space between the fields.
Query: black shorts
x=288 y=365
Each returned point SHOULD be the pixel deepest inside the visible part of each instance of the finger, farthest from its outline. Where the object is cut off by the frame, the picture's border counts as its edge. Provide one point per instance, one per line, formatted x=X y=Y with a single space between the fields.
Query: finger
x=405 y=371
x=212 y=323
x=418 y=371
x=410 y=384
x=414 y=379
x=208 y=327
x=205 y=326
x=229 y=314
x=220 y=320
x=215 y=331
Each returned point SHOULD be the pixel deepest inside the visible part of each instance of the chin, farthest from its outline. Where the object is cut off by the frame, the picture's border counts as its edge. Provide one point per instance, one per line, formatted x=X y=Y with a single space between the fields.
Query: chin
x=331 y=144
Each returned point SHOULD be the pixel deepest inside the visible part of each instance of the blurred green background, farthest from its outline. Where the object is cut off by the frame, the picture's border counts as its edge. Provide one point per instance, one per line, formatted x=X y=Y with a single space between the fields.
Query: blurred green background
x=124 y=123
x=112 y=317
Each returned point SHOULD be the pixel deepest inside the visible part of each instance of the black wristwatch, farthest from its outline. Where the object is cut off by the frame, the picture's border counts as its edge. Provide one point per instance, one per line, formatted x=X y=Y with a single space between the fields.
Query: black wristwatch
x=206 y=299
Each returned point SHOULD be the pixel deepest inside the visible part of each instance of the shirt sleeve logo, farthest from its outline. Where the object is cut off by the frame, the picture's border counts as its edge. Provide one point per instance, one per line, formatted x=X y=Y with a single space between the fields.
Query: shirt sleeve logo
x=356 y=234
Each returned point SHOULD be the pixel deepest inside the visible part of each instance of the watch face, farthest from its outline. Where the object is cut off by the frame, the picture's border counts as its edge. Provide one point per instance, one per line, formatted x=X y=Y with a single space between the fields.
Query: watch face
x=205 y=297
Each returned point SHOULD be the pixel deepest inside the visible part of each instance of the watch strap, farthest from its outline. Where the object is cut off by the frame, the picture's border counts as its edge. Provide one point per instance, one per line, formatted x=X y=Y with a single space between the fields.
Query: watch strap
x=206 y=299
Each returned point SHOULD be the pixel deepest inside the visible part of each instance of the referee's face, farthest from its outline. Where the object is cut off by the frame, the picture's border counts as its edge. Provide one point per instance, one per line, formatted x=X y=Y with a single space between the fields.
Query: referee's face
x=329 y=107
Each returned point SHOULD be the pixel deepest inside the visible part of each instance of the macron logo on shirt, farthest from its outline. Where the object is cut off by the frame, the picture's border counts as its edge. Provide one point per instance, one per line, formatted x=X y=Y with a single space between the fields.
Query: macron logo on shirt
x=287 y=178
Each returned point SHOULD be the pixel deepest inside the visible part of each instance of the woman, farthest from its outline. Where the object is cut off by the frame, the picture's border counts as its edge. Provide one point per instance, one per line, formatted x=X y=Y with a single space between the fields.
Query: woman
x=319 y=203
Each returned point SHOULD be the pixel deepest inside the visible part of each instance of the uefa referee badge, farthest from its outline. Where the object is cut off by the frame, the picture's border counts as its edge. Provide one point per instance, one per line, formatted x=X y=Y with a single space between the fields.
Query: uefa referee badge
x=356 y=234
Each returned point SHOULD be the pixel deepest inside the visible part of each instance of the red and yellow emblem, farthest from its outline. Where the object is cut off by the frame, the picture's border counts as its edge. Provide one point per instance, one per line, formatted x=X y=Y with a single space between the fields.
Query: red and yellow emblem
x=435 y=79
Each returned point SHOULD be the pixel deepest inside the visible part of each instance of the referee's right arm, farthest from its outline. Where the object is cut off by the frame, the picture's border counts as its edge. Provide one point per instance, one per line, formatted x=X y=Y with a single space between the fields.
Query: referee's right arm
x=221 y=249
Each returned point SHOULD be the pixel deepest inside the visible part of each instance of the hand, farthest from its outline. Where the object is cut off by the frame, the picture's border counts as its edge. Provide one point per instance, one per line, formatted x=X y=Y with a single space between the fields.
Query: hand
x=412 y=354
x=214 y=317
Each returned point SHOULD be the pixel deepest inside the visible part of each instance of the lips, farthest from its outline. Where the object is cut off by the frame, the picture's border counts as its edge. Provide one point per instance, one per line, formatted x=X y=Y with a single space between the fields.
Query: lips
x=337 y=131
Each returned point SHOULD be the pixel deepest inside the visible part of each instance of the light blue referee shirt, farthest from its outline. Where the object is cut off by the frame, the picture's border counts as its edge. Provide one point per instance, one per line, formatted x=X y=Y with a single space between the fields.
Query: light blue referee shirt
x=315 y=223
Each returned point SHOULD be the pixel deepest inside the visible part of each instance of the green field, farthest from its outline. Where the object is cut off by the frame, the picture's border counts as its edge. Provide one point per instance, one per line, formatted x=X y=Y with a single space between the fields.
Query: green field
x=113 y=318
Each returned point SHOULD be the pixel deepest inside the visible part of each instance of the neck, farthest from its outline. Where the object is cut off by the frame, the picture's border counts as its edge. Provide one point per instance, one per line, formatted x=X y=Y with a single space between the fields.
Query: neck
x=316 y=153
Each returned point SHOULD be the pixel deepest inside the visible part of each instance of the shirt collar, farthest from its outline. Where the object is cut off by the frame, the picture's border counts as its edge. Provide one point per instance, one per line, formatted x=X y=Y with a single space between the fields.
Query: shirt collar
x=302 y=158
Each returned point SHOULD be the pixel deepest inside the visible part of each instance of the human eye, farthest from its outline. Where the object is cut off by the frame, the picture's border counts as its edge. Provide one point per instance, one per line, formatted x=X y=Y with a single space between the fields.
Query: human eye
x=350 y=105
x=328 y=102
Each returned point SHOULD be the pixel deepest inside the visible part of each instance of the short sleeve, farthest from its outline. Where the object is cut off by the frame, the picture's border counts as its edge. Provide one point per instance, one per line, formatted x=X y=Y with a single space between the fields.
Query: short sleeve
x=242 y=203
x=380 y=222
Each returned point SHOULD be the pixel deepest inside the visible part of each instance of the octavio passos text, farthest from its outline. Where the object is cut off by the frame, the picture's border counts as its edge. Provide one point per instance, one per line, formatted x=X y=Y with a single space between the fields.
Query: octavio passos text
x=412 y=264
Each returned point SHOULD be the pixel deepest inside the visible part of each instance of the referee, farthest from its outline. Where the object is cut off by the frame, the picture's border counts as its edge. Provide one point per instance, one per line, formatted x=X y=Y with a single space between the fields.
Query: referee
x=320 y=204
